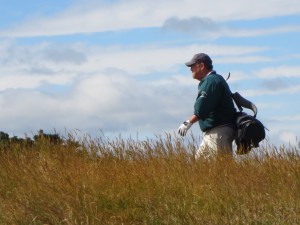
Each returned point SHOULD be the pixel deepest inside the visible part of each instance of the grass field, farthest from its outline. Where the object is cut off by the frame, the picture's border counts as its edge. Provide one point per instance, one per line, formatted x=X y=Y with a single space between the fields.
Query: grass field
x=145 y=182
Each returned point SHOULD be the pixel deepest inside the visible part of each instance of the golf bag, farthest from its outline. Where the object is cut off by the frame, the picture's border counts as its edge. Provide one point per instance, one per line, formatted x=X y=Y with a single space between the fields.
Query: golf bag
x=250 y=131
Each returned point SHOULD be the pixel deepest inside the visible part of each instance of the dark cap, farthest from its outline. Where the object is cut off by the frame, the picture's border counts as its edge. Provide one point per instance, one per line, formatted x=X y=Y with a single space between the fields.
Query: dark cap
x=199 y=58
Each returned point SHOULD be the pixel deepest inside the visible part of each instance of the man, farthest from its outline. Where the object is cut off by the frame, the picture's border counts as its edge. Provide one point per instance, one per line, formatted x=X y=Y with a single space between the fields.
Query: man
x=214 y=109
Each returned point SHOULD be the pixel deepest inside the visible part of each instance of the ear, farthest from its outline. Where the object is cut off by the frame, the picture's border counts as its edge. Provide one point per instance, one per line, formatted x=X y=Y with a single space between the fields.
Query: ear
x=202 y=66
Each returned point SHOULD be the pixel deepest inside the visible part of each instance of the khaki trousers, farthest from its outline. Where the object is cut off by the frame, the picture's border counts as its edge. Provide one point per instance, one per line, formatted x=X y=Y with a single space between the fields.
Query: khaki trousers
x=216 y=141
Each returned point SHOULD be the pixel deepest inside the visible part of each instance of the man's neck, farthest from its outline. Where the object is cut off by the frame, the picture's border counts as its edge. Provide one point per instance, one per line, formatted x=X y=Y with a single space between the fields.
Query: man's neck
x=208 y=73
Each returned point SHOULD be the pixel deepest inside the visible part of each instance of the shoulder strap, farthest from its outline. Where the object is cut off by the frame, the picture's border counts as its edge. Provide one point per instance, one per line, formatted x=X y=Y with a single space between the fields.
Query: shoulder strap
x=242 y=102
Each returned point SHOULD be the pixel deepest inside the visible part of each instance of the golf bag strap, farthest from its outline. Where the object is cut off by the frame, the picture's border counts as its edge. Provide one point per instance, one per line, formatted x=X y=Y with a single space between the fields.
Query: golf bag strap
x=242 y=102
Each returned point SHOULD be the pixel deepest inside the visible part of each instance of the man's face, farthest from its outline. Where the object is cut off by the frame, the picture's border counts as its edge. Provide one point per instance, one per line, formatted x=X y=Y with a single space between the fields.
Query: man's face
x=198 y=71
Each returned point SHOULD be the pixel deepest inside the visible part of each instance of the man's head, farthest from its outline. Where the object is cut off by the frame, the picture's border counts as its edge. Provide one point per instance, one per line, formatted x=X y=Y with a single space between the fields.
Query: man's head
x=200 y=64
x=200 y=58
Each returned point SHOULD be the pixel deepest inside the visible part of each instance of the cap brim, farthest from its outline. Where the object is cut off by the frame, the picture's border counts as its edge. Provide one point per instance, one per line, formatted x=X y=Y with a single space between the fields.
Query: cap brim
x=189 y=64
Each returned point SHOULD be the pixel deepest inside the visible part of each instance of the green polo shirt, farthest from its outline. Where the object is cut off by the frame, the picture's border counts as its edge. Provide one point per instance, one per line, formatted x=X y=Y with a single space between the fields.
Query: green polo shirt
x=214 y=105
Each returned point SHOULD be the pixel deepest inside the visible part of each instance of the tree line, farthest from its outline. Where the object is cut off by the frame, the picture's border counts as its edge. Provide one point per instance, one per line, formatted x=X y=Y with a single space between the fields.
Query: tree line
x=39 y=137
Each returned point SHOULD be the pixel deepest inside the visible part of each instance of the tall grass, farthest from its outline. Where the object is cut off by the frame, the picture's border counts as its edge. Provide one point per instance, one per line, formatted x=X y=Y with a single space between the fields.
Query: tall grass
x=145 y=182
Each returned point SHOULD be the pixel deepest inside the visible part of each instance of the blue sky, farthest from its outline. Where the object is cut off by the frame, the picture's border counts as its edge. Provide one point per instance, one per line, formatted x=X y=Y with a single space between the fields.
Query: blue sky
x=117 y=67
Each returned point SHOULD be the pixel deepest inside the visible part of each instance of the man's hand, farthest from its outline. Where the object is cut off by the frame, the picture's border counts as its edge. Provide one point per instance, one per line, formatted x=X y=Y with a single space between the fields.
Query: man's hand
x=184 y=127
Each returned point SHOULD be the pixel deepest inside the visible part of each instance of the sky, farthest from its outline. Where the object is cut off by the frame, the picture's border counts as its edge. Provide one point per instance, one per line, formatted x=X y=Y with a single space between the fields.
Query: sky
x=116 y=68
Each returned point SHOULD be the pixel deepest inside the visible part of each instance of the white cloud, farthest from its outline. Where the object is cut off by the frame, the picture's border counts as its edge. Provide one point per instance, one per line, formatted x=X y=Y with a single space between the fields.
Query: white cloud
x=205 y=28
x=194 y=25
x=288 y=118
x=288 y=137
x=90 y=59
x=259 y=92
x=230 y=32
x=244 y=59
x=269 y=106
x=30 y=81
x=96 y=95
x=87 y=18
x=274 y=81
x=280 y=71
x=96 y=102
x=102 y=92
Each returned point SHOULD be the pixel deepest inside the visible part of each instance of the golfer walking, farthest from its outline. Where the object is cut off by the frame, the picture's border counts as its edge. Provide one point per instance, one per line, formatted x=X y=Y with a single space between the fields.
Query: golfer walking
x=213 y=109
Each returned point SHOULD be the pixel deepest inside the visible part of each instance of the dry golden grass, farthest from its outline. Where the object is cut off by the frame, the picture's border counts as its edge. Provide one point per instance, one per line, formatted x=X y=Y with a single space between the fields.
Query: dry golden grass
x=145 y=182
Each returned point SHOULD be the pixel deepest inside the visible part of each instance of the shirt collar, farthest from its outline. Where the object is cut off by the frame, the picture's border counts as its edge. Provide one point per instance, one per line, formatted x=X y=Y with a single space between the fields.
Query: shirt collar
x=211 y=72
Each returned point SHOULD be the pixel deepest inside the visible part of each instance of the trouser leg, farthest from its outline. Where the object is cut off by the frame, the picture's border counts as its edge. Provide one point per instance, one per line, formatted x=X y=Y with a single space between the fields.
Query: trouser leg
x=217 y=141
